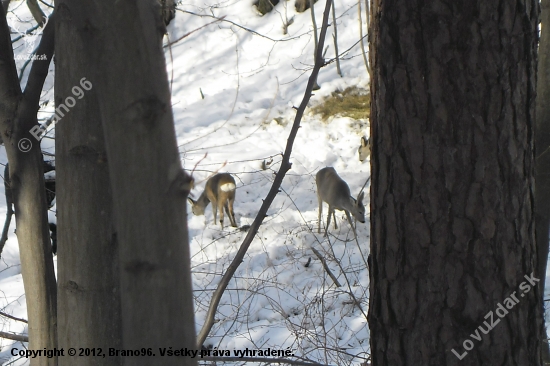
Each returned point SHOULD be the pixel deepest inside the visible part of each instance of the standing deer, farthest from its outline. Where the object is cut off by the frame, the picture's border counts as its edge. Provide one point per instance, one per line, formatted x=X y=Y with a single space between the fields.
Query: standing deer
x=364 y=149
x=335 y=191
x=220 y=190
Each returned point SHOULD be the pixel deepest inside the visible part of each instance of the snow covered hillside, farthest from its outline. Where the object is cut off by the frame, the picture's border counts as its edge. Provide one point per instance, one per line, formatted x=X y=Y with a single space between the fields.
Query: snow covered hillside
x=278 y=298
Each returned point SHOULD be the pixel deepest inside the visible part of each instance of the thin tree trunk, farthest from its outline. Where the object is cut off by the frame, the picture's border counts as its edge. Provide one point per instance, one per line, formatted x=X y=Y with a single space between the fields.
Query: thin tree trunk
x=87 y=262
x=6 y=5
x=335 y=39
x=452 y=221
x=17 y=117
x=149 y=188
x=542 y=146
x=36 y=12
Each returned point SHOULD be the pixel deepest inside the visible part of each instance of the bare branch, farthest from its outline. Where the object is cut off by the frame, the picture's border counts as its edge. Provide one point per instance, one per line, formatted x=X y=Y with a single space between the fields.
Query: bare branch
x=13 y=317
x=14 y=337
x=244 y=28
x=193 y=31
x=325 y=266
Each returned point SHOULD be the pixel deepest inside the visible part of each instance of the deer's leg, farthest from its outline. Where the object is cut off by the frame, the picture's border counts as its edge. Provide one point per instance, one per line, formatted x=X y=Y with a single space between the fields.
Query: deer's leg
x=230 y=212
x=220 y=207
x=320 y=214
x=330 y=210
x=334 y=216
x=215 y=211
x=350 y=223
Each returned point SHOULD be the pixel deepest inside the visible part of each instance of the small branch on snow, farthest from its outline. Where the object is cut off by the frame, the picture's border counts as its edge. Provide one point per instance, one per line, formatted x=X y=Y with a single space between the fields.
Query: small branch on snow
x=325 y=266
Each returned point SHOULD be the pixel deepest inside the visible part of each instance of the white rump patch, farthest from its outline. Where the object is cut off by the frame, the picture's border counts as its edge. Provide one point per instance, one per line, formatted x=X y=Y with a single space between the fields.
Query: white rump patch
x=227 y=187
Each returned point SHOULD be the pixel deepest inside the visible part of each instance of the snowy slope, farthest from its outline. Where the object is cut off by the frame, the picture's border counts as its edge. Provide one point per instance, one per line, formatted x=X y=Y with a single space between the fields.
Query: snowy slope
x=275 y=300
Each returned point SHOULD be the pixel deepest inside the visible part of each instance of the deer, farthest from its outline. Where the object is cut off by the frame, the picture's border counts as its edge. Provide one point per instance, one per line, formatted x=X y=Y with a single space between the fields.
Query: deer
x=364 y=149
x=335 y=191
x=220 y=190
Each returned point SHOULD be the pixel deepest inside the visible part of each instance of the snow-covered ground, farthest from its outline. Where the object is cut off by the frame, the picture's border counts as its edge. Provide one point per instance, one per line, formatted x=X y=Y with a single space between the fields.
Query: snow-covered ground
x=233 y=89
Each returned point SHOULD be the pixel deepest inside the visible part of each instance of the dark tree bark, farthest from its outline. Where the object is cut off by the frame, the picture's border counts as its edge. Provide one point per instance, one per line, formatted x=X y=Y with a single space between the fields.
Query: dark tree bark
x=87 y=265
x=168 y=10
x=17 y=117
x=6 y=5
x=452 y=222
x=542 y=161
x=149 y=188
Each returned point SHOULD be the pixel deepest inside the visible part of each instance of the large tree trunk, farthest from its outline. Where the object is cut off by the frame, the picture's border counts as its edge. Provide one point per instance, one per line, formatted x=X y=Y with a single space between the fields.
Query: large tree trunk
x=452 y=221
x=542 y=144
x=87 y=263
x=17 y=117
x=123 y=42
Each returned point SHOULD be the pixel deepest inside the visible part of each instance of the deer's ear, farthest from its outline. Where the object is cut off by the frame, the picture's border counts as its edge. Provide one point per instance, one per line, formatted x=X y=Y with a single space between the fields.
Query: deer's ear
x=190 y=201
x=363 y=141
x=360 y=197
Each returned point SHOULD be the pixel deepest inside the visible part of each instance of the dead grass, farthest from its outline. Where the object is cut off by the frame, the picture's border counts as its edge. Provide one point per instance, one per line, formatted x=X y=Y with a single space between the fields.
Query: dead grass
x=352 y=102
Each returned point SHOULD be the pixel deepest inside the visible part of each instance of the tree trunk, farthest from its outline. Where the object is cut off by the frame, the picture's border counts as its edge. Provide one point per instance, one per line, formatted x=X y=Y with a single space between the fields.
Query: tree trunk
x=123 y=43
x=17 y=117
x=542 y=162
x=6 y=5
x=452 y=222
x=87 y=263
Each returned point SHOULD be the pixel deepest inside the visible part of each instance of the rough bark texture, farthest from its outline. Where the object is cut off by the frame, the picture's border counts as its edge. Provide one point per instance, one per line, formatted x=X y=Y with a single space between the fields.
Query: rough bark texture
x=452 y=221
x=542 y=144
x=87 y=265
x=122 y=40
x=17 y=116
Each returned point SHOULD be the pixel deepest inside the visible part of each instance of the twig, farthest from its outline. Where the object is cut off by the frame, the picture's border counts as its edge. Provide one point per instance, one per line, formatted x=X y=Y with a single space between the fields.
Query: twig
x=13 y=317
x=285 y=166
x=357 y=303
x=325 y=266
x=244 y=28
x=193 y=31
